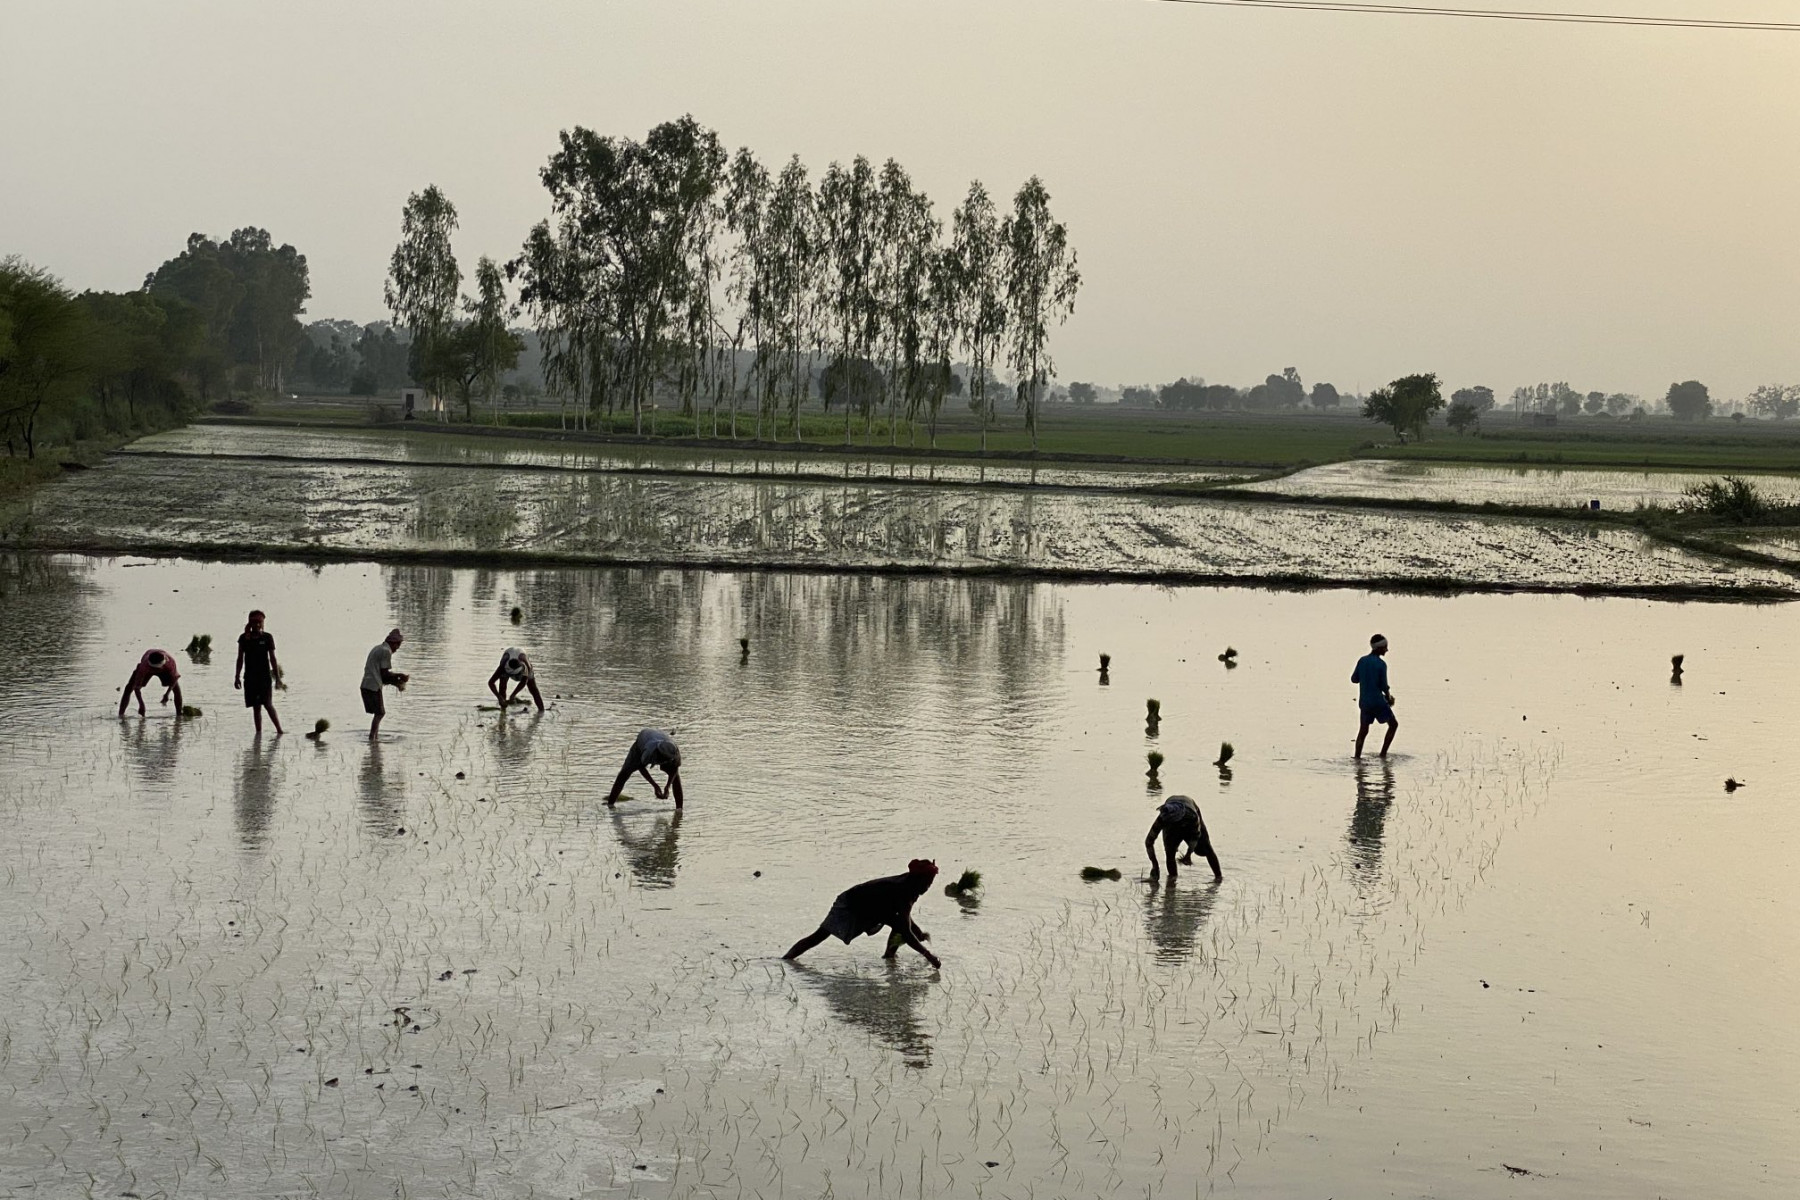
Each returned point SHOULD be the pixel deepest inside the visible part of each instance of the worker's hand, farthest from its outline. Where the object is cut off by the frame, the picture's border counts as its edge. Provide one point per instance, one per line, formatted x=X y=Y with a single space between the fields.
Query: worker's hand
x=935 y=961
x=238 y=684
x=662 y=793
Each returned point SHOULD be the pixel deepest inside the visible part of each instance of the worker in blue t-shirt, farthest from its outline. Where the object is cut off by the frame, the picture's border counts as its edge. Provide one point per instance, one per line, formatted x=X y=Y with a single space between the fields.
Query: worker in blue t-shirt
x=1376 y=702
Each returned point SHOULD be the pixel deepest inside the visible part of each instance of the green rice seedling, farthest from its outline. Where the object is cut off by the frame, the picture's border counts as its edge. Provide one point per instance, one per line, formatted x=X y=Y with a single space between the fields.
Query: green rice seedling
x=1225 y=753
x=189 y=710
x=318 y=729
x=1095 y=873
x=1105 y=663
x=518 y=614
x=968 y=881
x=200 y=643
x=1155 y=759
x=1152 y=711
x=1230 y=653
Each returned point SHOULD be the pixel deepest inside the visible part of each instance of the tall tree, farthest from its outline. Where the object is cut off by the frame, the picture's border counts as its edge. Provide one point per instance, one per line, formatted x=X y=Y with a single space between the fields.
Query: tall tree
x=423 y=281
x=976 y=264
x=847 y=227
x=796 y=255
x=1041 y=282
x=43 y=356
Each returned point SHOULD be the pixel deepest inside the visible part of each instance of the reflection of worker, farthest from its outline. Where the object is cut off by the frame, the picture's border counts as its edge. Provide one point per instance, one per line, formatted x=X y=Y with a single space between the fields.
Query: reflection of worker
x=1179 y=822
x=653 y=748
x=378 y=672
x=257 y=669
x=514 y=668
x=156 y=664
x=868 y=907
x=1374 y=698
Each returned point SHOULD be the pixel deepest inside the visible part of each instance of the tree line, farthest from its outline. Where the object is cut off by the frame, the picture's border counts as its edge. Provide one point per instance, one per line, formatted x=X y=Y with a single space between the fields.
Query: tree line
x=671 y=265
x=220 y=317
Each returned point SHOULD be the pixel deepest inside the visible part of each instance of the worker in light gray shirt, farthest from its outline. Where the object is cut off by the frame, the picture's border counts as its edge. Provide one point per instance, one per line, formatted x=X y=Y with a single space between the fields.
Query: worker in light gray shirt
x=378 y=672
x=653 y=748
x=516 y=669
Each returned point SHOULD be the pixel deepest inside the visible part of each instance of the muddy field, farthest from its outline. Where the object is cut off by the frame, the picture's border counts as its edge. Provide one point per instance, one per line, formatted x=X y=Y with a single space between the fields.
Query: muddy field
x=339 y=509
x=1541 y=951
x=1545 y=487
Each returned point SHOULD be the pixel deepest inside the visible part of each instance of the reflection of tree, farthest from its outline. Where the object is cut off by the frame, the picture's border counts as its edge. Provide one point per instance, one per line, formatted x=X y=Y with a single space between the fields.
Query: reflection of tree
x=420 y=598
x=1174 y=915
x=383 y=800
x=43 y=598
x=153 y=753
x=1374 y=797
x=255 y=794
x=883 y=1004
x=654 y=855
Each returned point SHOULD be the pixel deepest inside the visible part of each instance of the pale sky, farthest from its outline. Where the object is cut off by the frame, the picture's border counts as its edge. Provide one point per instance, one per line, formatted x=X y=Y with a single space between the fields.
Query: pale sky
x=1359 y=197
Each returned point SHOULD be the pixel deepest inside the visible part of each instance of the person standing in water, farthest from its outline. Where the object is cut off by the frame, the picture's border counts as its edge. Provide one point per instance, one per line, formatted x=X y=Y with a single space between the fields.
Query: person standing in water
x=257 y=670
x=1179 y=822
x=653 y=748
x=378 y=672
x=1374 y=698
x=868 y=907
x=156 y=664
x=514 y=668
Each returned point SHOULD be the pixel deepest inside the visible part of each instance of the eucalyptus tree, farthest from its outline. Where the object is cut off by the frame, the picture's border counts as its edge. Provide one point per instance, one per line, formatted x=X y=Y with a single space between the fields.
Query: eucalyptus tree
x=908 y=234
x=746 y=217
x=493 y=347
x=796 y=253
x=977 y=267
x=423 y=280
x=848 y=203
x=1041 y=281
x=557 y=270
x=943 y=330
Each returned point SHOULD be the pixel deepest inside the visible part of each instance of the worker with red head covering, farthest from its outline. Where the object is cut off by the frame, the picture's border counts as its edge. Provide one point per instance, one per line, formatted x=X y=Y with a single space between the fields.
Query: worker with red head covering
x=158 y=665
x=868 y=907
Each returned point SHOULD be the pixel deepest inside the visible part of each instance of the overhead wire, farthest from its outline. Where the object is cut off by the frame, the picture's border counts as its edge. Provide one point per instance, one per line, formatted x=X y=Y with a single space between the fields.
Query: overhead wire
x=1502 y=14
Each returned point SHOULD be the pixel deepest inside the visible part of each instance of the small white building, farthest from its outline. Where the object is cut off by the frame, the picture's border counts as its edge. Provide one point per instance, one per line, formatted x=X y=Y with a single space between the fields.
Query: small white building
x=416 y=400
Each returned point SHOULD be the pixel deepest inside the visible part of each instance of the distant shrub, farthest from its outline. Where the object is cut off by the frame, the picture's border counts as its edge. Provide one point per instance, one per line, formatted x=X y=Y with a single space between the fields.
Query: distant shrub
x=1732 y=498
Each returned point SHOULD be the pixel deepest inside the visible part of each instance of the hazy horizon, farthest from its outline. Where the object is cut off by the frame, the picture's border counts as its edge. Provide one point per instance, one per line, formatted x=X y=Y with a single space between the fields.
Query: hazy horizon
x=1356 y=196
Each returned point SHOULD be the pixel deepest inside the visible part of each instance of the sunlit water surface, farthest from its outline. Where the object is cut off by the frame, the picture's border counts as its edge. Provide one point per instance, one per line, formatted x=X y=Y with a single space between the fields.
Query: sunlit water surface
x=1542 y=939
x=1543 y=487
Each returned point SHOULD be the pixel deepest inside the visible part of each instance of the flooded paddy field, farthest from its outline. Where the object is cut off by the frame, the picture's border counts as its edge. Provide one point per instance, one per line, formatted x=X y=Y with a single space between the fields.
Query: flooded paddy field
x=546 y=452
x=227 y=505
x=1539 y=951
x=1546 y=487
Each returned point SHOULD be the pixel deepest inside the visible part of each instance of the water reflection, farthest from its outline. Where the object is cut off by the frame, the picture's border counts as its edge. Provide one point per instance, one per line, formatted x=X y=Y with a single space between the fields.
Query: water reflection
x=1174 y=916
x=255 y=794
x=885 y=1005
x=152 y=747
x=382 y=800
x=653 y=853
x=512 y=738
x=1368 y=821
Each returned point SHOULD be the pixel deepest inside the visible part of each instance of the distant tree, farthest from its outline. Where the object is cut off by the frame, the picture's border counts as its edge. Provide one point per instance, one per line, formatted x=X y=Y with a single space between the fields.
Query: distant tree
x=1619 y=403
x=1183 y=394
x=422 y=284
x=855 y=383
x=1041 y=282
x=1480 y=398
x=1776 y=400
x=1405 y=405
x=382 y=359
x=977 y=263
x=1463 y=416
x=1137 y=397
x=43 y=357
x=364 y=382
x=1324 y=395
x=494 y=348
x=248 y=294
x=1565 y=399
x=1689 y=401
x=1082 y=393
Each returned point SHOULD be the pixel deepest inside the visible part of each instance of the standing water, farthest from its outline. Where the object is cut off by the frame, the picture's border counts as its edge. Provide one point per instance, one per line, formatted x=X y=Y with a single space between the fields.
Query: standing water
x=1540 y=946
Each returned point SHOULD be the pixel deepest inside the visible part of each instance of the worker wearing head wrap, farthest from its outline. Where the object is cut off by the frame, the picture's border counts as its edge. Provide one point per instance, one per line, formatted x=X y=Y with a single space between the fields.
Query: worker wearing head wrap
x=515 y=669
x=880 y=903
x=158 y=665
x=1374 y=698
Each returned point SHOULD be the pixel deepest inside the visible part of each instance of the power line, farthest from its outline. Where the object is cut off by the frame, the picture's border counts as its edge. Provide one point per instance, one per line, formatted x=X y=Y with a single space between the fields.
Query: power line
x=1501 y=14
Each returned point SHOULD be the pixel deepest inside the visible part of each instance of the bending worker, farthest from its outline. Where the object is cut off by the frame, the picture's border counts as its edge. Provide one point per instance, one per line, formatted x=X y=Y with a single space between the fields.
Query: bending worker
x=1179 y=822
x=653 y=748
x=156 y=664
x=514 y=668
